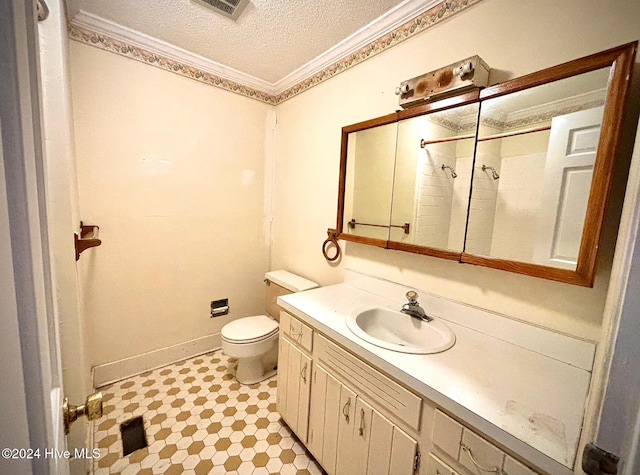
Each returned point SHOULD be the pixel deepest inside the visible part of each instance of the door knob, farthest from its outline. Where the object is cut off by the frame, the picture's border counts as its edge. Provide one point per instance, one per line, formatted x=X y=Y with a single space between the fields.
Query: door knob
x=92 y=408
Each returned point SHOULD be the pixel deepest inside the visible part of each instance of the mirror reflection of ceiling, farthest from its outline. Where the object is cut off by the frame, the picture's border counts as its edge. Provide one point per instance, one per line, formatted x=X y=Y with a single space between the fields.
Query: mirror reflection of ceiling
x=539 y=104
x=270 y=39
x=457 y=119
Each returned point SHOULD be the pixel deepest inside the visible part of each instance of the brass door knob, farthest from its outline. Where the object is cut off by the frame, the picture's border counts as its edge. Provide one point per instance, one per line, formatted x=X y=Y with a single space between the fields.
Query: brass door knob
x=92 y=408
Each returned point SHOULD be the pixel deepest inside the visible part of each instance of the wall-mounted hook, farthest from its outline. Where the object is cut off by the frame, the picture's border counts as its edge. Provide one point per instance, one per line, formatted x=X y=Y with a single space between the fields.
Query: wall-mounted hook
x=87 y=238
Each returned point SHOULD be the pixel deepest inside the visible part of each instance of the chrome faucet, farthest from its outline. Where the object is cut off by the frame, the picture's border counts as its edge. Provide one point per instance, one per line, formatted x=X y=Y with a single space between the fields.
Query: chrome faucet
x=413 y=308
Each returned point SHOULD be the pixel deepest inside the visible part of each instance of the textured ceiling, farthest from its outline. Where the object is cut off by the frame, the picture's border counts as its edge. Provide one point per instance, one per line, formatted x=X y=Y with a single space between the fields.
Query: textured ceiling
x=271 y=39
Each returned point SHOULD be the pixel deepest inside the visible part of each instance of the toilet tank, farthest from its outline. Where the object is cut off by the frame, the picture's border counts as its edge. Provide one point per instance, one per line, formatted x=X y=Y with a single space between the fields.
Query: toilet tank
x=282 y=282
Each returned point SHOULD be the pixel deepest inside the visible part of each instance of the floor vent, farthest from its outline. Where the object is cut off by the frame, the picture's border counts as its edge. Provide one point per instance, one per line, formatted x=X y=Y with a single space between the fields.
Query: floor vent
x=133 y=435
x=228 y=8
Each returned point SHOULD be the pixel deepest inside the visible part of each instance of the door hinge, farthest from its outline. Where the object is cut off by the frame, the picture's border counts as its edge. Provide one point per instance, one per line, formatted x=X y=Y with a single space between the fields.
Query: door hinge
x=416 y=462
x=596 y=461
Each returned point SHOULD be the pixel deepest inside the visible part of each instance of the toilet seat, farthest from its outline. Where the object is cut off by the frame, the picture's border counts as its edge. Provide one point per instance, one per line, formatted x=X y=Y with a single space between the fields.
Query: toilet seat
x=249 y=329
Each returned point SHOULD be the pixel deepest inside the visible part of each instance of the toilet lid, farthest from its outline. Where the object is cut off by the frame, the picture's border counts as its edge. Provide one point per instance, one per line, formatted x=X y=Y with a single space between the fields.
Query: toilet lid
x=249 y=329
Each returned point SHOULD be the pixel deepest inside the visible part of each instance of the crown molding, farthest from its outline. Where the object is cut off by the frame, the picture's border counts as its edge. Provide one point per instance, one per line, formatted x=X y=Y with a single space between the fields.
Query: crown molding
x=102 y=26
x=408 y=19
x=386 y=23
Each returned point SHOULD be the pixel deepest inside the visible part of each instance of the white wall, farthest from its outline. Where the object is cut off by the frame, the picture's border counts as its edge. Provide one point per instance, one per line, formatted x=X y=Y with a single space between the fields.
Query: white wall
x=514 y=38
x=173 y=172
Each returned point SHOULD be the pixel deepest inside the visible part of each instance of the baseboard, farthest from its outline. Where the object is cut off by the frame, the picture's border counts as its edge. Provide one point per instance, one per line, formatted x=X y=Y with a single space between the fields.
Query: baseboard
x=117 y=370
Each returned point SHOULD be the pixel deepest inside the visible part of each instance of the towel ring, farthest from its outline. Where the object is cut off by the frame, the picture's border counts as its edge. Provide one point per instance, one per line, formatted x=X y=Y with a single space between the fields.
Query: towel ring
x=331 y=239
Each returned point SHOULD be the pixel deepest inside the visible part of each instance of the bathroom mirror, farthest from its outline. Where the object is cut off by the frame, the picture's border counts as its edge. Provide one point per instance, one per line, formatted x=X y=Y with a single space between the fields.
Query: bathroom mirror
x=514 y=177
x=542 y=170
x=368 y=180
x=434 y=156
x=534 y=165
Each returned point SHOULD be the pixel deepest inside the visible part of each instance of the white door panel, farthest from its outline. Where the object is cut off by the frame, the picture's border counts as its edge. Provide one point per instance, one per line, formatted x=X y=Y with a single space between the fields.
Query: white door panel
x=38 y=370
x=573 y=143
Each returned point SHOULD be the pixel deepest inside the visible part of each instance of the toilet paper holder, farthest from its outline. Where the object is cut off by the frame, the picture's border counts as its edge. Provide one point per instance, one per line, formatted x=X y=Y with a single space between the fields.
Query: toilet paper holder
x=219 y=307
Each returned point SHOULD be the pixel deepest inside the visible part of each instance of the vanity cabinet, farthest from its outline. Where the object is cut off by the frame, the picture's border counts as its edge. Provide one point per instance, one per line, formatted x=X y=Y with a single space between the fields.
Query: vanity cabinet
x=294 y=374
x=349 y=437
x=355 y=420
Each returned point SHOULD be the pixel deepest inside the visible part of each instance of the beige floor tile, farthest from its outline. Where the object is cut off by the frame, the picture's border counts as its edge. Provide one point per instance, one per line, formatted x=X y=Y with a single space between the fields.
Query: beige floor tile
x=199 y=421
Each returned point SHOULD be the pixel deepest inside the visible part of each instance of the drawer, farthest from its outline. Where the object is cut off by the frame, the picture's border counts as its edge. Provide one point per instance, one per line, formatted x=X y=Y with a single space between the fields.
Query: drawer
x=447 y=434
x=476 y=453
x=470 y=450
x=297 y=331
x=513 y=467
x=395 y=400
x=435 y=466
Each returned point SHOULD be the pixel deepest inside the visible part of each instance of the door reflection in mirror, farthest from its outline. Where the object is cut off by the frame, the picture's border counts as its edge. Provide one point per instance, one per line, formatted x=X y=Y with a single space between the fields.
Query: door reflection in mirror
x=542 y=143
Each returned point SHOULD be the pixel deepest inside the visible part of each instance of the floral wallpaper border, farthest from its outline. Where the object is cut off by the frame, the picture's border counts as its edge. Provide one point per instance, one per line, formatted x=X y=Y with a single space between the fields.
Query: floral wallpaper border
x=411 y=28
x=107 y=43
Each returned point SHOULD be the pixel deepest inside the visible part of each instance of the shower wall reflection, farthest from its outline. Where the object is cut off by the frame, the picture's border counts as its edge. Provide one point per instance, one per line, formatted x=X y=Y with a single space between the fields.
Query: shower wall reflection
x=433 y=177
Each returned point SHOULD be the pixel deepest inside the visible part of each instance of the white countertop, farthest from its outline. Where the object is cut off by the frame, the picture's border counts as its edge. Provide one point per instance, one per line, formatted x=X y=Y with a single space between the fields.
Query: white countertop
x=530 y=402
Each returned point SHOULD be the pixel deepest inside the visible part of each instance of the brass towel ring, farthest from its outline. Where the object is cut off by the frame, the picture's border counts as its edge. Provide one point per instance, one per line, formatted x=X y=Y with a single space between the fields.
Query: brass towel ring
x=331 y=239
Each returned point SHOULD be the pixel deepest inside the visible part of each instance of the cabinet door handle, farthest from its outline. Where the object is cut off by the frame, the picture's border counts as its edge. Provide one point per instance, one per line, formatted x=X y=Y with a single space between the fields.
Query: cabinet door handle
x=295 y=335
x=346 y=409
x=303 y=373
x=495 y=469
x=361 y=429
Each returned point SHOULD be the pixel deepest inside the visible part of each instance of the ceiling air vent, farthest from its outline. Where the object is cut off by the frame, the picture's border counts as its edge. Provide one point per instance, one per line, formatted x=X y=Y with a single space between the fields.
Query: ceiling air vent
x=229 y=8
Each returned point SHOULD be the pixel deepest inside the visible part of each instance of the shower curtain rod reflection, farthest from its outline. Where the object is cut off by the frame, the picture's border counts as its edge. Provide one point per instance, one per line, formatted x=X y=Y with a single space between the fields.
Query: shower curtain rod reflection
x=424 y=143
x=514 y=133
x=405 y=226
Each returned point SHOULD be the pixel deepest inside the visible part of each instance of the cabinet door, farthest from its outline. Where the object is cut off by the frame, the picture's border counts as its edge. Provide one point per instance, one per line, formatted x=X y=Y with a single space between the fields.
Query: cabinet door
x=380 y=445
x=361 y=436
x=290 y=413
x=295 y=407
x=317 y=413
x=304 y=393
x=283 y=371
x=332 y=416
x=403 y=453
x=345 y=456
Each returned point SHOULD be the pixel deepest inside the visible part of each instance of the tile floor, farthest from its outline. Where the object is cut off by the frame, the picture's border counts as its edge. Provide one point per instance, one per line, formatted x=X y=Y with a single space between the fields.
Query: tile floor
x=198 y=420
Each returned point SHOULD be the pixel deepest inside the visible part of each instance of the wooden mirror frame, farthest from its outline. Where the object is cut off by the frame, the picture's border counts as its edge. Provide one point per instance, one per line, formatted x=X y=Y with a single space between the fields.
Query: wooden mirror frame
x=621 y=60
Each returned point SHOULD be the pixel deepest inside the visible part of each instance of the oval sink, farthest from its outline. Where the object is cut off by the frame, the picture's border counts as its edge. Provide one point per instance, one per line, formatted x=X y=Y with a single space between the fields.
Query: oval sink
x=400 y=332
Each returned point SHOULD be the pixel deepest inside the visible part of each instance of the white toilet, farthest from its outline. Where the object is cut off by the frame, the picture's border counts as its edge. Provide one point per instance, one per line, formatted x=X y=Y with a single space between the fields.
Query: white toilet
x=254 y=340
